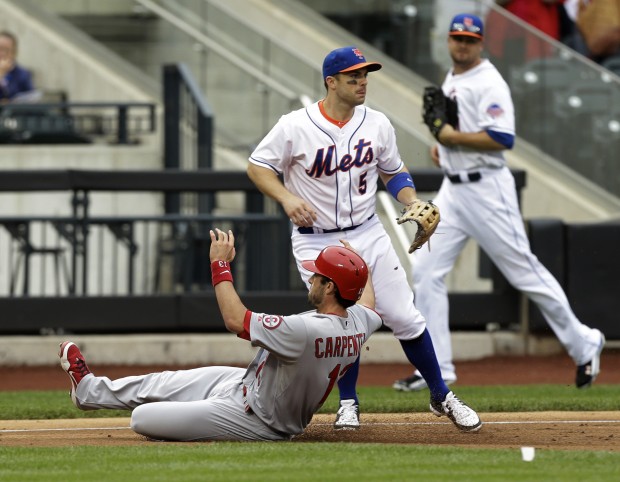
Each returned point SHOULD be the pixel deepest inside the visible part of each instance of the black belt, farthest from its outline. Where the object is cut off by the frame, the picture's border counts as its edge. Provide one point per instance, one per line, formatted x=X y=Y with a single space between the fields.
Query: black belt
x=471 y=176
x=313 y=230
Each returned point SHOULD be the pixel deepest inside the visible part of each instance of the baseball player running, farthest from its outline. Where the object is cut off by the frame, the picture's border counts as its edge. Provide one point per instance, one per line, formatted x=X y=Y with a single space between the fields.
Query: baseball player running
x=300 y=359
x=331 y=155
x=470 y=154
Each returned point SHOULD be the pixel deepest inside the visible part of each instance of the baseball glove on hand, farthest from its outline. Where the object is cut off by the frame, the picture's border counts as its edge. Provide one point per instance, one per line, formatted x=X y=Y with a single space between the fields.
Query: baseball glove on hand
x=426 y=216
x=438 y=110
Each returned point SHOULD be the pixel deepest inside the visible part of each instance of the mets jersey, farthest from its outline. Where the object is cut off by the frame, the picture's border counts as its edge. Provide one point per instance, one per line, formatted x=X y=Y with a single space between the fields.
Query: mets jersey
x=301 y=359
x=484 y=103
x=334 y=168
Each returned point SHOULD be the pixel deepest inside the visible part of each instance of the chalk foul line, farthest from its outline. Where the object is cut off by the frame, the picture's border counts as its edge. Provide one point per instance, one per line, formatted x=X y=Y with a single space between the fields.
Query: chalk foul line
x=372 y=424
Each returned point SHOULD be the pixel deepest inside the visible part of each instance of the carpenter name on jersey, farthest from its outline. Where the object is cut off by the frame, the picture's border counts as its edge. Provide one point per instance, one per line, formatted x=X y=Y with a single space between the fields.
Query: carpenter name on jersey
x=338 y=346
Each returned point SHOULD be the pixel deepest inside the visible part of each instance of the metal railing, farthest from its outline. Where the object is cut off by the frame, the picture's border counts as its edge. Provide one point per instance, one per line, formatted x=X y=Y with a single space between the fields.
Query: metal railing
x=188 y=134
x=264 y=97
x=108 y=274
x=77 y=122
x=92 y=254
x=112 y=252
x=135 y=255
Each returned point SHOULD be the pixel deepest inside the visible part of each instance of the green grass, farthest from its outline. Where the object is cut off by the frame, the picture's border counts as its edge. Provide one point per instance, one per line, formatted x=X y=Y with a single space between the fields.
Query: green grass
x=226 y=461
x=508 y=398
x=341 y=462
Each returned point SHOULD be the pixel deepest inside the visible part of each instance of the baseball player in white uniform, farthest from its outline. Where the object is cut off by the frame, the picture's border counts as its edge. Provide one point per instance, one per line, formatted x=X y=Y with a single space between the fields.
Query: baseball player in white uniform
x=300 y=359
x=331 y=155
x=478 y=199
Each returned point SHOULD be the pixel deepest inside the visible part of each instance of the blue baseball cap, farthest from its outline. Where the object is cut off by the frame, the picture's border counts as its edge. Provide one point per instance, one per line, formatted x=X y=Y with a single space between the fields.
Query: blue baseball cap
x=466 y=25
x=346 y=59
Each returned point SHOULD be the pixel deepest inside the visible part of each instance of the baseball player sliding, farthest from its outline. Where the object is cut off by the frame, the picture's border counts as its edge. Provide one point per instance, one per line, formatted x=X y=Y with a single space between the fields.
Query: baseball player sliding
x=331 y=156
x=301 y=358
x=478 y=199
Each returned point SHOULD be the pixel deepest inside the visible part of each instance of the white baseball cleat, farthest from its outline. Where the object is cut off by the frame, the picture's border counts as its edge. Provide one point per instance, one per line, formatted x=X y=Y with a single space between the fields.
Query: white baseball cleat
x=348 y=416
x=461 y=415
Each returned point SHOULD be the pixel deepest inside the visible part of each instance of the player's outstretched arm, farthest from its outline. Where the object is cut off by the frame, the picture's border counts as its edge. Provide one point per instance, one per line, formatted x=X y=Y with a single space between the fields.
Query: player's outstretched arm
x=368 y=296
x=221 y=253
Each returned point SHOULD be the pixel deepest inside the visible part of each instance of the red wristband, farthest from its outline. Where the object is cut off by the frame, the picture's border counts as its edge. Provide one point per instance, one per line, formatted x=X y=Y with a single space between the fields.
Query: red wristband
x=220 y=271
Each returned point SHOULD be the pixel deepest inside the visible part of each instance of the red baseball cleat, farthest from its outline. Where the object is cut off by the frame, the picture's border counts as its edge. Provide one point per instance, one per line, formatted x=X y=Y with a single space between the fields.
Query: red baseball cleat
x=72 y=361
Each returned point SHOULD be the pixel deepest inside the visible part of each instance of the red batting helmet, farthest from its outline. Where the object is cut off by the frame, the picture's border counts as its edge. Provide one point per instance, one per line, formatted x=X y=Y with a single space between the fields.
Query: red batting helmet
x=345 y=268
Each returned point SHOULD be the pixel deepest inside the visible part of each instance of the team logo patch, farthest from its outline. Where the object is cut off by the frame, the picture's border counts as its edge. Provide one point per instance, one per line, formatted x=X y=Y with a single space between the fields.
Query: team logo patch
x=495 y=110
x=358 y=52
x=271 y=321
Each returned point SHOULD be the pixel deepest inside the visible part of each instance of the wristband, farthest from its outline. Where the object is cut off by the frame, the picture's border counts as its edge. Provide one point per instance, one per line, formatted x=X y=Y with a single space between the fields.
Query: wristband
x=220 y=271
x=399 y=181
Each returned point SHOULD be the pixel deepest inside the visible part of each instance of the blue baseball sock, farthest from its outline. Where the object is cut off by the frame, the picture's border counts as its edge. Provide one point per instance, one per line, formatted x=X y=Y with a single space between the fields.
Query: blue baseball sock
x=346 y=385
x=421 y=353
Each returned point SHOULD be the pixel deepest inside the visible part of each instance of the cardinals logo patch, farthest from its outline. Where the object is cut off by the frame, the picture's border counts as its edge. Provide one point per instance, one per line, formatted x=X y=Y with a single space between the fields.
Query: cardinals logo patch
x=271 y=321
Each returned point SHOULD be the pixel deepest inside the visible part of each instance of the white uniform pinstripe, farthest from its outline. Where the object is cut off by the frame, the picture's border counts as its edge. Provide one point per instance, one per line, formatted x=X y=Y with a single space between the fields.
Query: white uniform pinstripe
x=488 y=211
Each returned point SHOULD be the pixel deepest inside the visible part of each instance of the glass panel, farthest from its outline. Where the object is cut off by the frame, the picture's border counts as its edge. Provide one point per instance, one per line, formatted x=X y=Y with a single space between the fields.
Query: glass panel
x=565 y=104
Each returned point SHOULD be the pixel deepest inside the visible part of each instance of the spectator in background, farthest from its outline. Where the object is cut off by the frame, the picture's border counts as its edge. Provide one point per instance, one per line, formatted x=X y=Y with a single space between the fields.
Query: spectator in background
x=569 y=32
x=542 y=14
x=510 y=44
x=599 y=24
x=15 y=81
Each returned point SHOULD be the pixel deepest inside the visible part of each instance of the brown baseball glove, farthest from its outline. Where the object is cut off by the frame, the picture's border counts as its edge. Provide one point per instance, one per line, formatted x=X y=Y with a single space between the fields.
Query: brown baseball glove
x=426 y=216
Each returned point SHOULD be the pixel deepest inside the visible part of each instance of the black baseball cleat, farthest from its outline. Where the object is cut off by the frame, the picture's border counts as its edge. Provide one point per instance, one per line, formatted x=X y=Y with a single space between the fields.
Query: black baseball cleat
x=587 y=373
x=414 y=383
x=72 y=361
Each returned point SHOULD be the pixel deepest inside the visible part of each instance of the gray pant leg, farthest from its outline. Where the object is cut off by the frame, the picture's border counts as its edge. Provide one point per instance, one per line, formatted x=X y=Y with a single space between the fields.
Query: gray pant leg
x=129 y=392
x=220 y=417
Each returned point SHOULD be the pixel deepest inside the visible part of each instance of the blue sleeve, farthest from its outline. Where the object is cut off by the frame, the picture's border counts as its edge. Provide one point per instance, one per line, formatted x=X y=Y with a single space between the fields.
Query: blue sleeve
x=18 y=80
x=26 y=81
x=506 y=140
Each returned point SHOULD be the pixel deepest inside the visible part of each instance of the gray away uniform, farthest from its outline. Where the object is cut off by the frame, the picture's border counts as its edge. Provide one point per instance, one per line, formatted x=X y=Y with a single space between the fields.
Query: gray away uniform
x=301 y=358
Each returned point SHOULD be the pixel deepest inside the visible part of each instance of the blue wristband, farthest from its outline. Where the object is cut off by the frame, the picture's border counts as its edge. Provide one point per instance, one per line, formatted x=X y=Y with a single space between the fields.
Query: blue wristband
x=399 y=181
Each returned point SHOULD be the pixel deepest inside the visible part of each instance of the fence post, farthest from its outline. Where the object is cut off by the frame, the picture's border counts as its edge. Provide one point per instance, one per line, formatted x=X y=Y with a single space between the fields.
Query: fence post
x=122 y=136
x=206 y=201
x=172 y=135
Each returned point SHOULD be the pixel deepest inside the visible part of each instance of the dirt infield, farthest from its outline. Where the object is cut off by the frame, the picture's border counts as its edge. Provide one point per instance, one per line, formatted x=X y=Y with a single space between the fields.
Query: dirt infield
x=543 y=430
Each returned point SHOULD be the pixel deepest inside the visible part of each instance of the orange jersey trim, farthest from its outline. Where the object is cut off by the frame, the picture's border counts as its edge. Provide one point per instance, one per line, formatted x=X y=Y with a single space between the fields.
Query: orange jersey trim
x=333 y=121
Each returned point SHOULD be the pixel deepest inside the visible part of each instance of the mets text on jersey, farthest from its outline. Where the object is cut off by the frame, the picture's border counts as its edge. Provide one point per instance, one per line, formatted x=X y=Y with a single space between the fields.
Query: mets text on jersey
x=322 y=161
x=339 y=346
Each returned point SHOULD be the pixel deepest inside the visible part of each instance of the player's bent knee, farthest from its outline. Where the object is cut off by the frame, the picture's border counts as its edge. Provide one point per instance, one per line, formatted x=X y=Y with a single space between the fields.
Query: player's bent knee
x=142 y=423
x=137 y=420
x=153 y=422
